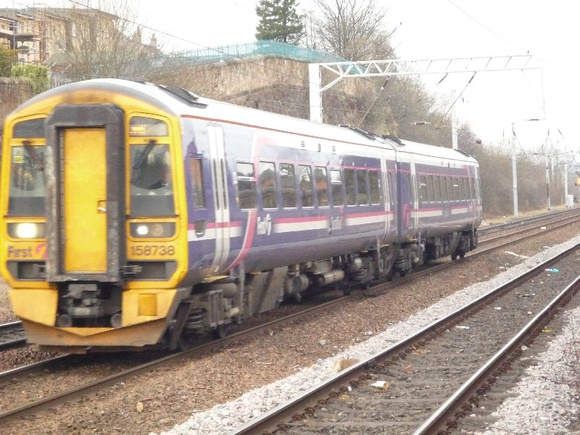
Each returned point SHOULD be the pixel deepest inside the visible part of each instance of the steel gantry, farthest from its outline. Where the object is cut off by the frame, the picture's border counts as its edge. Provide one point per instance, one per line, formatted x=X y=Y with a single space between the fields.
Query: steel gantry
x=399 y=67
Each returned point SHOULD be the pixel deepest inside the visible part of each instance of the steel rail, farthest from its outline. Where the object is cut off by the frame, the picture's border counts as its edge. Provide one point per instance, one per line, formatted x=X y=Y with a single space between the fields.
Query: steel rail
x=304 y=402
x=12 y=328
x=206 y=347
x=559 y=220
x=440 y=417
x=485 y=230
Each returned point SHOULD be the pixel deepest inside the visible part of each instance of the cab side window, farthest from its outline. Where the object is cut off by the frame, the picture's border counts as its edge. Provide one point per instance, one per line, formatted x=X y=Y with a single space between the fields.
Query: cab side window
x=196 y=175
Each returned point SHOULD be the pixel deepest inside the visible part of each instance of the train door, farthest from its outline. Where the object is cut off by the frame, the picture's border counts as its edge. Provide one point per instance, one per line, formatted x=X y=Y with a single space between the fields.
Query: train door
x=84 y=210
x=406 y=199
x=85 y=194
x=386 y=196
x=220 y=196
x=414 y=197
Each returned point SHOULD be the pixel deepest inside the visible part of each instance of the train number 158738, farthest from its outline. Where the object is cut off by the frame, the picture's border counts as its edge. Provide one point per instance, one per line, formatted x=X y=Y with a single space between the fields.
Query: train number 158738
x=152 y=250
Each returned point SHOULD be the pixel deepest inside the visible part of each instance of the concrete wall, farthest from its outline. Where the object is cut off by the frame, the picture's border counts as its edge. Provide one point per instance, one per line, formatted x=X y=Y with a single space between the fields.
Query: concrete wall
x=228 y=80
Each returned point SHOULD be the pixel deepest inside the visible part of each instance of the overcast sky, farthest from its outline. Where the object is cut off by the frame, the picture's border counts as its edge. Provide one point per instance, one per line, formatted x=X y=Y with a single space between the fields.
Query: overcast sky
x=431 y=29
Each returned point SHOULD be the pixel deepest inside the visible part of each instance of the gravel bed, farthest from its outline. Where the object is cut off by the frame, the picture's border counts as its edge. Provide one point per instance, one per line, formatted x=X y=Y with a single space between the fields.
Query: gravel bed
x=419 y=384
x=204 y=385
x=541 y=416
x=547 y=400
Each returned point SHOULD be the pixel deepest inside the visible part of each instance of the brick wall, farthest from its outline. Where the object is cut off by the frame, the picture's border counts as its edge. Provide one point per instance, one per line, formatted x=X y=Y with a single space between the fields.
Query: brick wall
x=13 y=92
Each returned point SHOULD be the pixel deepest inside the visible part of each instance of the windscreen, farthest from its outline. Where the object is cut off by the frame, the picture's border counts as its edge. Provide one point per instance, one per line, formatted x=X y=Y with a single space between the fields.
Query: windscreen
x=151 y=184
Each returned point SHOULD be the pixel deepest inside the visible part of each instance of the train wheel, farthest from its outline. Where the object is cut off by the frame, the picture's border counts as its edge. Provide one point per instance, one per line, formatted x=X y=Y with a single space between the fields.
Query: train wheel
x=183 y=343
x=221 y=331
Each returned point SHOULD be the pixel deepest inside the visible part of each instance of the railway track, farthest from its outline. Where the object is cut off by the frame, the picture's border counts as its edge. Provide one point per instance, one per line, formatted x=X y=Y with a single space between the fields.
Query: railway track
x=11 y=335
x=531 y=225
x=427 y=382
x=62 y=365
x=530 y=221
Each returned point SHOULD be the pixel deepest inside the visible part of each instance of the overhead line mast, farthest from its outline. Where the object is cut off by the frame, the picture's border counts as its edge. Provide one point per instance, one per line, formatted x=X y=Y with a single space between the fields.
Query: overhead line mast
x=399 y=67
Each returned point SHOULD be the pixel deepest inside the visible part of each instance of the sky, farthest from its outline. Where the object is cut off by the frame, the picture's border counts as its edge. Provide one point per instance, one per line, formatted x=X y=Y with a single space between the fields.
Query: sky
x=430 y=29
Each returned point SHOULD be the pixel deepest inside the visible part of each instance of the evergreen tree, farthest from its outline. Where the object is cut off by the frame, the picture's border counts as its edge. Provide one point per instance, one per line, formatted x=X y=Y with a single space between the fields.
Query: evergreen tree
x=279 y=21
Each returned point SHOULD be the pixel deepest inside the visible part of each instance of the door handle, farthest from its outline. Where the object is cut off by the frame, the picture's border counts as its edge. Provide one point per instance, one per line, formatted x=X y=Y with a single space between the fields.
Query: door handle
x=102 y=206
x=199 y=228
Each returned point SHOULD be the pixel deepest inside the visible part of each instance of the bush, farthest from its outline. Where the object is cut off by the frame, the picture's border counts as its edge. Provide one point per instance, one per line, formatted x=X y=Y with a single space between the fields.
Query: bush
x=7 y=60
x=36 y=74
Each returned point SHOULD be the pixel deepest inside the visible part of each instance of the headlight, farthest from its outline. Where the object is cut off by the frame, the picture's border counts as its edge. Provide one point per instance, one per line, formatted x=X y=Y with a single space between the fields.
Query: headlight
x=27 y=230
x=153 y=229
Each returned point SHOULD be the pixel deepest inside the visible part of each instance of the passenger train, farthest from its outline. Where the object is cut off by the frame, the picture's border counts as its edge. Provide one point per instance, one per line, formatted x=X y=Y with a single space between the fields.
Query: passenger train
x=136 y=216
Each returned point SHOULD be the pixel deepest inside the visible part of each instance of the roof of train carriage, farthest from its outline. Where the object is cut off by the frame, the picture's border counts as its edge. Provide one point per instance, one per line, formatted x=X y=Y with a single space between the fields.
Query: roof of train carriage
x=421 y=149
x=179 y=102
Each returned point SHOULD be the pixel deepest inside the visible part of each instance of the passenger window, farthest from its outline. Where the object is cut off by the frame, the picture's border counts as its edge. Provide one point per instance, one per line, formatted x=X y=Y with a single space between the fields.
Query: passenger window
x=363 y=188
x=392 y=185
x=197 y=183
x=456 y=189
x=423 y=189
x=305 y=183
x=336 y=183
x=246 y=185
x=375 y=187
x=288 y=181
x=449 y=188
x=470 y=187
x=430 y=193
x=436 y=188
x=268 y=185
x=350 y=186
x=321 y=186
x=443 y=183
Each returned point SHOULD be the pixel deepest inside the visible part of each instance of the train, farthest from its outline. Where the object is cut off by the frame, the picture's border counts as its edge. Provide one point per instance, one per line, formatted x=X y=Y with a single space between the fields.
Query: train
x=140 y=216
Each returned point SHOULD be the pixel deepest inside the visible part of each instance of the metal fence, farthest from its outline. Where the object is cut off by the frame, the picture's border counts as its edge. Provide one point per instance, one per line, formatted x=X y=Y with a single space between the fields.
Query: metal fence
x=255 y=49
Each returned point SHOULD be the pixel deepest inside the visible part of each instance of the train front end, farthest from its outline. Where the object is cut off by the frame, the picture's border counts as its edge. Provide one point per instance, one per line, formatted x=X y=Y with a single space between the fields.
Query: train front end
x=93 y=237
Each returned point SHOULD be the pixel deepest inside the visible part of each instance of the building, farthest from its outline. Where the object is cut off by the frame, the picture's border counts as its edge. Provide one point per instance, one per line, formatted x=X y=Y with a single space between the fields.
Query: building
x=46 y=35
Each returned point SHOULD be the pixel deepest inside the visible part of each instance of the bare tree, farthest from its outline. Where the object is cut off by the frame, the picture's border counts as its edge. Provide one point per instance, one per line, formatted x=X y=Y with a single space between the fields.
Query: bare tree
x=103 y=39
x=352 y=29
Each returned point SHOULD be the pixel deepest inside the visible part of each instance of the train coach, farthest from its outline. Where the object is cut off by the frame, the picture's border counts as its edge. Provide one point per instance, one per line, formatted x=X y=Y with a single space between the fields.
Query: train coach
x=137 y=216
